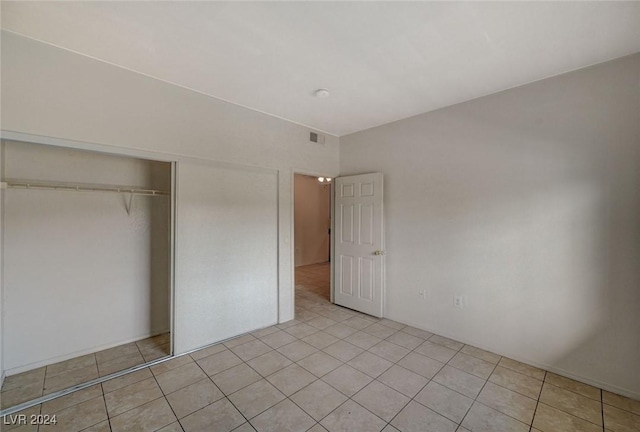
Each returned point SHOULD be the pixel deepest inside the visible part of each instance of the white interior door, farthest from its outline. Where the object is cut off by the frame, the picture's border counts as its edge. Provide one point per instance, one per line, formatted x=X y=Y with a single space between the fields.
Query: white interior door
x=359 y=242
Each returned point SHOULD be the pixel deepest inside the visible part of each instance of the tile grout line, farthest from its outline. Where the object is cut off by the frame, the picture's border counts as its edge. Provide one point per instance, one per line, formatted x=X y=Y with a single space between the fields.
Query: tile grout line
x=261 y=378
x=134 y=383
x=412 y=399
x=78 y=387
x=164 y=396
x=45 y=397
x=106 y=410
x=602 y=409
x=495 y=365
x=44 y=382
x=535 y=410
x=525 y=375
x=447 y=363
x=275 y=372
x=131 y=409
x=575 y=393
x=350 y=398
x=480 y=391
x=40 y=412
x=317 y=422
x=410 y=350
x=515 y=391
x=487 y=380
x=637 y=414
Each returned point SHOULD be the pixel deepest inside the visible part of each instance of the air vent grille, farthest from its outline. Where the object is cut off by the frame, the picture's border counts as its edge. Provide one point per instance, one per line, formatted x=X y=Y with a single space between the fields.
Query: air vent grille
x=316 y=138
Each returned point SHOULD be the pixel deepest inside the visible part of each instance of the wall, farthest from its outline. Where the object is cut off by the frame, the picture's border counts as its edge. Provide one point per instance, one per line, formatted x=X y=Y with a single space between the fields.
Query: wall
x=527 y=202
x=2 y=369
x=55 y=93
x=311 y=220
x=81 y=274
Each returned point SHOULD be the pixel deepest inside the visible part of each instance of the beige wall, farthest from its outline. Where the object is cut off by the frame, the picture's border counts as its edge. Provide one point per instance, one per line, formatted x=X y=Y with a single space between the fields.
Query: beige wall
x=527 y=202
x=312 y=220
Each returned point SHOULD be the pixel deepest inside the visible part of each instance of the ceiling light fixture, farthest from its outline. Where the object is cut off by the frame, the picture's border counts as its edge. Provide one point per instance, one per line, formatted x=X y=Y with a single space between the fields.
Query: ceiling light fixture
x=322 y=93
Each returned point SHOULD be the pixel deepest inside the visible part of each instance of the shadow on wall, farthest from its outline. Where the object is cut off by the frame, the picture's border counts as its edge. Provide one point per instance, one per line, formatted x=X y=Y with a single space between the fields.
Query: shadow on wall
x=159 y=243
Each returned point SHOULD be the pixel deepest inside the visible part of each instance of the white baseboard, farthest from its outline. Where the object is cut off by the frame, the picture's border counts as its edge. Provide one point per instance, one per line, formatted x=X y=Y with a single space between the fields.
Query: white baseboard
x=550 y=368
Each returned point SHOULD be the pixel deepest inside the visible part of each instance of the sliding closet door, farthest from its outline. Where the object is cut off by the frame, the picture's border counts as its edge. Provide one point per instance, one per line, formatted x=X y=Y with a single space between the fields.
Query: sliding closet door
x=226 y=252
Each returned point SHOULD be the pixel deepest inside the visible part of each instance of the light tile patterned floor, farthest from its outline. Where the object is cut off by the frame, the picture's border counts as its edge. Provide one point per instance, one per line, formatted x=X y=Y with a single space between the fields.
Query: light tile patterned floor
x=333 y=369
x=48 y=379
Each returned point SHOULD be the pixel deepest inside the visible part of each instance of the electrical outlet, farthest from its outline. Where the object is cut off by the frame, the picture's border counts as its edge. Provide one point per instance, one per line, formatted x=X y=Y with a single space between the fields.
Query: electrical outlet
x=459 y=301
x=424 y=293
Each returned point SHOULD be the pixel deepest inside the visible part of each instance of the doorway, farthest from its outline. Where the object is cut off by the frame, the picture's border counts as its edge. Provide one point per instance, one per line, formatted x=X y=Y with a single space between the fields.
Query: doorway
x=312 y=242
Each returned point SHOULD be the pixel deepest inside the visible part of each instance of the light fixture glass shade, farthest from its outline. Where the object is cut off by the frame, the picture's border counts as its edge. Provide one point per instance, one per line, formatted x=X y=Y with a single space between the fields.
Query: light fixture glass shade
x=321 y=179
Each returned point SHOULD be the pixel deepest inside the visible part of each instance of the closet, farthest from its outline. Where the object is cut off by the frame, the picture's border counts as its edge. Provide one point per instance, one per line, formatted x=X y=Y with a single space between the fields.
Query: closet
x=87 y=265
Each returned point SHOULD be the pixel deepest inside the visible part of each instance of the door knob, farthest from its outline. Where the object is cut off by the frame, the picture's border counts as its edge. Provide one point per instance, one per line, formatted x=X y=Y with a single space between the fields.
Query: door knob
x=378 y=252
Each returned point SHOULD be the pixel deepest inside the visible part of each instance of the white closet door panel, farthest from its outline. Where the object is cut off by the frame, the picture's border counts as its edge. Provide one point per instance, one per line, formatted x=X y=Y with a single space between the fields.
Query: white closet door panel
x=226 y=253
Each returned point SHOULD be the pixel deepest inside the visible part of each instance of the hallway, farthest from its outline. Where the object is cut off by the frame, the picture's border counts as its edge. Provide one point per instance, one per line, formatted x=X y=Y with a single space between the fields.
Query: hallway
x=312 y=283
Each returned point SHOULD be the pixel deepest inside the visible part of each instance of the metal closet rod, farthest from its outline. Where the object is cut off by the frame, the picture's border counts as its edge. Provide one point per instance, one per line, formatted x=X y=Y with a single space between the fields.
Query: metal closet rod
x=76 y=187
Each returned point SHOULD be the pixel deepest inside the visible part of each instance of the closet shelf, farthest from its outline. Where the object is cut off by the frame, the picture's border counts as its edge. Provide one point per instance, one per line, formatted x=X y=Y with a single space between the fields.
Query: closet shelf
x=78 y=187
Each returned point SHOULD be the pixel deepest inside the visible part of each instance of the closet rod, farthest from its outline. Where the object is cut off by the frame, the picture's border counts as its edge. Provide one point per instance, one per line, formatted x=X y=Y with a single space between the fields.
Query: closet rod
x=81 y=188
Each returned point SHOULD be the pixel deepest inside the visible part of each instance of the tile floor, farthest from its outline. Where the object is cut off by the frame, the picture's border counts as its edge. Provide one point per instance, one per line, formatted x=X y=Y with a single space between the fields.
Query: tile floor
x=25 y=386
x=332 y=369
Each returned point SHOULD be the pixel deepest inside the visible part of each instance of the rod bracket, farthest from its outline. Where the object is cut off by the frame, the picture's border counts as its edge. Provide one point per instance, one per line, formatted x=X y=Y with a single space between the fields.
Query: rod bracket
x=128 y=203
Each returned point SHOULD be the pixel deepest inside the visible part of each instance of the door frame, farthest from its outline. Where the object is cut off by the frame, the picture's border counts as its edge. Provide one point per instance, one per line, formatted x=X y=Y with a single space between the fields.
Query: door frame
x=292 y=246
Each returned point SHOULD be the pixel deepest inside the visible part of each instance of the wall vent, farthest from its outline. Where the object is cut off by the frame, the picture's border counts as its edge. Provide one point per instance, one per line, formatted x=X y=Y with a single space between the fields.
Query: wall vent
x=316 y=138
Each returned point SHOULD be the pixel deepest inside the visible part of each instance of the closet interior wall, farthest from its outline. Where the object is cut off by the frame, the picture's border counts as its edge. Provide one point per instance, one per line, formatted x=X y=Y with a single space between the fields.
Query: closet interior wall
x=81 y=274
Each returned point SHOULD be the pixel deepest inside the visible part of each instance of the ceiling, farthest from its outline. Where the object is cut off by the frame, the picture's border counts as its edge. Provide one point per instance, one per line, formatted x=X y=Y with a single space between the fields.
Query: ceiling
x=381 y=61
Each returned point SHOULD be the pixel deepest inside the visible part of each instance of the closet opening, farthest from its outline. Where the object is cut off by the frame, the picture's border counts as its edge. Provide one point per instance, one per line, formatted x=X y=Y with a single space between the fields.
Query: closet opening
x=312 y=243
x=87 y=254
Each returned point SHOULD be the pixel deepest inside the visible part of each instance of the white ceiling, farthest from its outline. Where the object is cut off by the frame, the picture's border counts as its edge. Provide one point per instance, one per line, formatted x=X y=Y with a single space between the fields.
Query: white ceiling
x=381 y=61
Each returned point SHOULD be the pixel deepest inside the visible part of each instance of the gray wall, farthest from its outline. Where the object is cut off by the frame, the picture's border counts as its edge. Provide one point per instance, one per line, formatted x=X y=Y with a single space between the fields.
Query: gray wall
x=51 y=92
x=2 y=372
x=526 y=202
